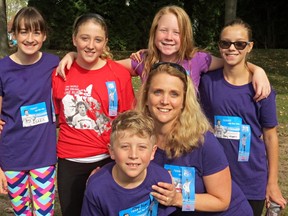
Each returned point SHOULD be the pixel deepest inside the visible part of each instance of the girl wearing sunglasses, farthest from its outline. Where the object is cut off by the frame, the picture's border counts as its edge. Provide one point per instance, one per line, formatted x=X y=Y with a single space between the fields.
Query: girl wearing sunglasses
x=171 y=40
x=227 y=95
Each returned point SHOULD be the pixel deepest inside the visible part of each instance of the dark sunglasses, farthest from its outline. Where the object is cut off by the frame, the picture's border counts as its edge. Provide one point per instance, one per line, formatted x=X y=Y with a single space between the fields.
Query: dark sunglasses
x=239 y=45
x=174 y=65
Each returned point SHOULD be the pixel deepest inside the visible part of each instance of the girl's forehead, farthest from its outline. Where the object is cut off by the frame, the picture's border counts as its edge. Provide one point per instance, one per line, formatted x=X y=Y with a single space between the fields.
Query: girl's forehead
x=92 y=27
x=168 y=18
x=235 y=30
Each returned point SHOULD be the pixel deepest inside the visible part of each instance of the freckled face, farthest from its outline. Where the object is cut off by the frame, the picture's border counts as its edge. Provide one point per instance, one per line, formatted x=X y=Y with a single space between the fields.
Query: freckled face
x=167 y=37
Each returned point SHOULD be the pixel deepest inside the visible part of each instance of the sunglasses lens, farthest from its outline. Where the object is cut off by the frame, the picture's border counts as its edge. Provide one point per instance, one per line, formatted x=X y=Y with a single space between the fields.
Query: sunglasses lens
x=240 y=45
x=224 y=44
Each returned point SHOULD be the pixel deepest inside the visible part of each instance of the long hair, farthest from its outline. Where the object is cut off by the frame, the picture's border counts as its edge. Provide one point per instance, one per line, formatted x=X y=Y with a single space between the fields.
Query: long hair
x=97 y=19
x=187 y=48
x=189 y=129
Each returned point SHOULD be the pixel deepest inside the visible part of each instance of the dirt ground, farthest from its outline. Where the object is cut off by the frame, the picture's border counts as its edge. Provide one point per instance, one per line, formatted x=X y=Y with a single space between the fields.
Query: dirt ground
x=5 y=209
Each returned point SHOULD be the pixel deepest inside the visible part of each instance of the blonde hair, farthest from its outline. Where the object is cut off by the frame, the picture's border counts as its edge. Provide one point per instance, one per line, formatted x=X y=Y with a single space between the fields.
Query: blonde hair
x=97 y=19
x=187 y=47
x=134 y=122
x=188 y=130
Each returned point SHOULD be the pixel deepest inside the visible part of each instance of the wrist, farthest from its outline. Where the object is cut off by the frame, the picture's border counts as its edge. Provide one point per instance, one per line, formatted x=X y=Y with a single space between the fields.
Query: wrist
x=178 y=200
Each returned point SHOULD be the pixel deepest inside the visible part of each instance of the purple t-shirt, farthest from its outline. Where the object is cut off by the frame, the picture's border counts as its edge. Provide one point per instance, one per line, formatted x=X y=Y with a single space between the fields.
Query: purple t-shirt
x=103 y=196
x=28 y=139
x=195 y=66
x=220 y=98
x=208 y=159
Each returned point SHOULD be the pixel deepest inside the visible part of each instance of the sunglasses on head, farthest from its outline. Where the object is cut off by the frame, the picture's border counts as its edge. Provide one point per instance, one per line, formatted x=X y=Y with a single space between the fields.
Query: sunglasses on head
x=239 y=45
x=174 y=65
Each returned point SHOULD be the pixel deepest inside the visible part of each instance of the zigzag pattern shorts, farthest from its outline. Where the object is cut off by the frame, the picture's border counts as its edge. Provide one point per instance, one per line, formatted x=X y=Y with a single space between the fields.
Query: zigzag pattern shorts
x=32 y=192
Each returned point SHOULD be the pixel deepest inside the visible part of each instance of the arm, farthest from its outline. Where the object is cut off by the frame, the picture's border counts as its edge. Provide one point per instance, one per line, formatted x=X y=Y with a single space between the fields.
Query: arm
x=216 y=63
x=65 y=62
x=217 y=197
x=3 y=183
x=1 y=121
x=218 y=194
x=3 y=180
x=127 y=64
x=260 y=80
x=137 y=55
x=273 y=192
x=68 y=59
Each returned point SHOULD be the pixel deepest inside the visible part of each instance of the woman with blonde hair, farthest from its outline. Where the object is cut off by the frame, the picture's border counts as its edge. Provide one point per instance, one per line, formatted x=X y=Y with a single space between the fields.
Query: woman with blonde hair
x=186 y=145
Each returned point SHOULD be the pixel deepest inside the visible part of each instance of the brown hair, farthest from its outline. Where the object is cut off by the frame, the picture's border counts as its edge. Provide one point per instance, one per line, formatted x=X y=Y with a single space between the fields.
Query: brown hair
x=240 y=22
x=33 y=20
x=97 y=19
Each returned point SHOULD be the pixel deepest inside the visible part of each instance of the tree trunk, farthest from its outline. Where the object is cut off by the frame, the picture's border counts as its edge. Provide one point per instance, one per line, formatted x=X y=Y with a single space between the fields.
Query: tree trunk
x=230 y=10
x=3 y=30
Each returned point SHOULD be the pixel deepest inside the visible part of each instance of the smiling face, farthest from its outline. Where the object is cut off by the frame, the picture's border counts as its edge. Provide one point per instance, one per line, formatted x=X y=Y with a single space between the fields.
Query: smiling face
x=90 y=41
x=29 y=41
x=132 y=154
x=231 y=55
x=165 y=99
x=167 y=37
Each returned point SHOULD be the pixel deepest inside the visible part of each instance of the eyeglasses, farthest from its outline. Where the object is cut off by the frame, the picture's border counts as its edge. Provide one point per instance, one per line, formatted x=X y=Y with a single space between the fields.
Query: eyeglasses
x=174 y=65
x=239 y=45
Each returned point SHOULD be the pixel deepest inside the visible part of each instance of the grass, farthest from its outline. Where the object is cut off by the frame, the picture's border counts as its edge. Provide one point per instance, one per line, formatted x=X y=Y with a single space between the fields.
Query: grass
x=275 y=63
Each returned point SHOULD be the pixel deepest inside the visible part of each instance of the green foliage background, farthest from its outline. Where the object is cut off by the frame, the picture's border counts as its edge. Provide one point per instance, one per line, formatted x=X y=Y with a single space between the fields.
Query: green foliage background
x=129 y=25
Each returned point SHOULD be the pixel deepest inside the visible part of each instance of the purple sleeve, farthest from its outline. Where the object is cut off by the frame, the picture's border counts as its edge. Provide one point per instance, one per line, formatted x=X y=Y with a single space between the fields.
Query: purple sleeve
x=91 y=204
x=268 y=113
x=214 y=158
x=204 y=61
x=199 y=64
x=138 y=66
x=88 y=208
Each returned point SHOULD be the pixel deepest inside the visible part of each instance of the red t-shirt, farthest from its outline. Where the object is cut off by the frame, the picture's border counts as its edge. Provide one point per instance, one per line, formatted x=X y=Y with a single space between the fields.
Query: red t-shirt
x=82 y=103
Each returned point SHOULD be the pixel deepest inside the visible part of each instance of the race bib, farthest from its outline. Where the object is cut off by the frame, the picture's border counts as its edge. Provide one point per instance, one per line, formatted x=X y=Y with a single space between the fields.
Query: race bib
x=34 y=114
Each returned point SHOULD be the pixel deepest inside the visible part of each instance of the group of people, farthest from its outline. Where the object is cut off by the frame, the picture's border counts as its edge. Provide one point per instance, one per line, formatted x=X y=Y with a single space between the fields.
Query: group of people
x=137 y=142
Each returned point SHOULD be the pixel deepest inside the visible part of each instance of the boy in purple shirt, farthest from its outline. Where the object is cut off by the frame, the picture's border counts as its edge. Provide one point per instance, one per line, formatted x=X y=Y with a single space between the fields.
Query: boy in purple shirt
x=123 y=187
